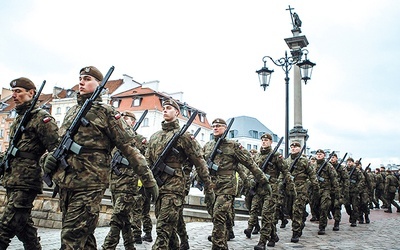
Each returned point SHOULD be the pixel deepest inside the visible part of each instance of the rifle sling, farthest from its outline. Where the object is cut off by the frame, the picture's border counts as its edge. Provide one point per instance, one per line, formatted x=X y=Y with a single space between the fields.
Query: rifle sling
x=93 y=150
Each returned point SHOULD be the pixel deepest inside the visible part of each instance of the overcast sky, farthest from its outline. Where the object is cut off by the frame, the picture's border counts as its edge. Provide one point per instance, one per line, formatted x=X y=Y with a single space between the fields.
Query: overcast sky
x=210 y=50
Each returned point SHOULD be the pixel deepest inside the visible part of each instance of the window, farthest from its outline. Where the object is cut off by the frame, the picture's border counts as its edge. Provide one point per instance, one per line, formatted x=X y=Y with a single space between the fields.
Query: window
x=249 y=147
x=66 y=109
x=116 y=103
x=58 y=111
x=136 y=101
x=201 y=117
x=185 y=112
x=145 y=122
x=253 y=134
x=1 y=133
x=231 y=134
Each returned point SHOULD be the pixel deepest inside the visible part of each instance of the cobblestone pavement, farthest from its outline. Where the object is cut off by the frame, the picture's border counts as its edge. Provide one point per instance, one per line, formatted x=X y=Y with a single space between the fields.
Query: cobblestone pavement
x=381 y=233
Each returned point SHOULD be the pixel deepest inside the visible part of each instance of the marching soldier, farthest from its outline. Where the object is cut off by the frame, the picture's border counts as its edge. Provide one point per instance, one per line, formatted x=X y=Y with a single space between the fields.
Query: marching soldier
x=391 y=185
x=23 y=179
x=356 y=183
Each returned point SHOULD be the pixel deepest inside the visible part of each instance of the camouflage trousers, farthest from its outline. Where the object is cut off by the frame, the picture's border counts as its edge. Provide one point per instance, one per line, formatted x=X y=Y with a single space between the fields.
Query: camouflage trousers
x=299 y=208
x=255 y=210
x=336 y=208
x=379 y=194
x=324 y=207
x=17 y=220
x=167 y=209
x=221 y=210
x=183 y=236
x=352 y=208
x=124 y=208
x=137 y=216
x=268 y=215
x=80 y=215
x=145 y=219
x=364 y=203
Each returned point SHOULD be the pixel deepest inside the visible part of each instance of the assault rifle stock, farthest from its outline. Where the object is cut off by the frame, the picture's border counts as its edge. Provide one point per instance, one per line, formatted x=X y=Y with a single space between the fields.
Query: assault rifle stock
x=12 y=150
x=212 y=167
x=321 y=179
x=264 y=166
x=340 y=163
x=118 y=159
x=67 y=144
x=160 y=167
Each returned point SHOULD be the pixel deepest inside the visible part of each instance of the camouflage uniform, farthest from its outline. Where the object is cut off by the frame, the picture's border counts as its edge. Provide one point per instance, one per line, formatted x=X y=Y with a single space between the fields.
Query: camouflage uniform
x=304 y=177
x=329 y=185
x=343 y=197
x=391 y=185
x=365 y=198
x=23 y=180
x=83 y=183
x=356 y=182
x=126 y=204
x=172 y=192
x=269 y=201
x=379 y=190
x=226 y=185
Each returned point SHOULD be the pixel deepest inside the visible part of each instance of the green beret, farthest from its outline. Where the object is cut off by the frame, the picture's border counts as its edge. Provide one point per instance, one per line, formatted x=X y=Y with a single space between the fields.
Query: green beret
x=219 y=121
x=91 y=71
x=320 y=151
x=266 y=136
x=295 y=144
x=129 y=114
x=172 y=103
x=350 y=159
x=22 y=82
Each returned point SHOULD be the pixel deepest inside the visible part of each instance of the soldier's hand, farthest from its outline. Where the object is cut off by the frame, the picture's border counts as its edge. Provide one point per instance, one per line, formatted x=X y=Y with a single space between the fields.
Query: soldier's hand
x=152 y=192
x=263 y=180
x=50 y=164
x=252 y=183
x=209 y=198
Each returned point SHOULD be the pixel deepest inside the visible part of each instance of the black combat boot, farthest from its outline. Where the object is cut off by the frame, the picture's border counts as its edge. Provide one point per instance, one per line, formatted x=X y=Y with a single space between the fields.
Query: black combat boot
x=137 y=240
x=256 y=229
x=367 y=219
x=321 y=231
x=271 y=243
x=184 y=245
x=247 y=232
x=284 y=222
x=260 y=246
x=231 y=235
x=209 y=238
x=313 y=218
x=295 y=237
x=336 y=226
x=147 y=237
x=388 y=211
x=353 y=224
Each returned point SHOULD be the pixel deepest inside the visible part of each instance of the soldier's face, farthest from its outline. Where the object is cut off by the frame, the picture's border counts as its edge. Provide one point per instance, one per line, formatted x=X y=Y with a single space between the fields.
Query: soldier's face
x=21 y=95
x=169 y=113
x=320 y=156
x=218 y=129
x=131 y=122
x=294 y=149
x=87 y=84
x=333 y=159
x=265 y=142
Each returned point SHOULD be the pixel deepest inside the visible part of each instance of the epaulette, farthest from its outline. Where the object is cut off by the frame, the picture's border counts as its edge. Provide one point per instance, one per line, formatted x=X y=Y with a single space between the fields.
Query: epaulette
x=46 y=119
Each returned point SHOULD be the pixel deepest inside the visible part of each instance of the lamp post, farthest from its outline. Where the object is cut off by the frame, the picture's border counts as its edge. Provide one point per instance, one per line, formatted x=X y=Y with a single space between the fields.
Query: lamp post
x=286 y=63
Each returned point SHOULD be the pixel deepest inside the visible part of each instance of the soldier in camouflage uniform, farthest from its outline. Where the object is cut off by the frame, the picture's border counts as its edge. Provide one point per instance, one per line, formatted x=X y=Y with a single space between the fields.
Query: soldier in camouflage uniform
x=329 y=187
x=269 y=197
x=391 y=185
x=172 y=191
x=380 y=187
x=83 y=183
x=304 y=178
x=356 y=182
x=339 y=200
x=124 y=191
x=232 y=153
x=23 y=179
x=364 y=196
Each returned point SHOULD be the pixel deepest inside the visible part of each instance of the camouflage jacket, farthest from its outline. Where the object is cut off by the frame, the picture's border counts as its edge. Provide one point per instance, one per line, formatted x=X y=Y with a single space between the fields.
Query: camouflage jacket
x=327 y=178
x=343 y=178
x=41 y=134
x=391 y=183
x=379 y=181
x=189 y=150
x=90 y=169
x=357 y=180
x=302 y=172
x=277 y=169
x=232 y=153
x=127 y=181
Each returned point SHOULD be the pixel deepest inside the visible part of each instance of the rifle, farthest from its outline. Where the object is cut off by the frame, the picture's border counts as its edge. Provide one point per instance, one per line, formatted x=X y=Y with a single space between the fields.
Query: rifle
x=368 y=167
x=266 y=162
x=321 y=179
x=160 y=166
x=352 y=172
x=196 y=133
x=67 y=143
x=12 y=150
x=212 y=167
x=118 y=159
x=340 y=163
x=294 y=162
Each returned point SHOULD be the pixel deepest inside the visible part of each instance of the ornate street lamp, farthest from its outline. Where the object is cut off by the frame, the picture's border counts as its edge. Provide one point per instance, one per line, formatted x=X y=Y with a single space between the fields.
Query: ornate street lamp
x=264 y=75
x=306 y=68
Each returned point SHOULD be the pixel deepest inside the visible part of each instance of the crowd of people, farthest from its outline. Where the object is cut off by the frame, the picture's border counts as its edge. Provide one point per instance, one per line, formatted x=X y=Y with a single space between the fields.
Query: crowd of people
x=105 y=151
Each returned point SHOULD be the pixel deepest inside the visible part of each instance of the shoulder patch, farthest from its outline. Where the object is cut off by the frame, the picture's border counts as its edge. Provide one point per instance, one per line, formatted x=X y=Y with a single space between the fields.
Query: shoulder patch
x=280 y=156
x=144 y=141
x=117 y=116
x=46 y=119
